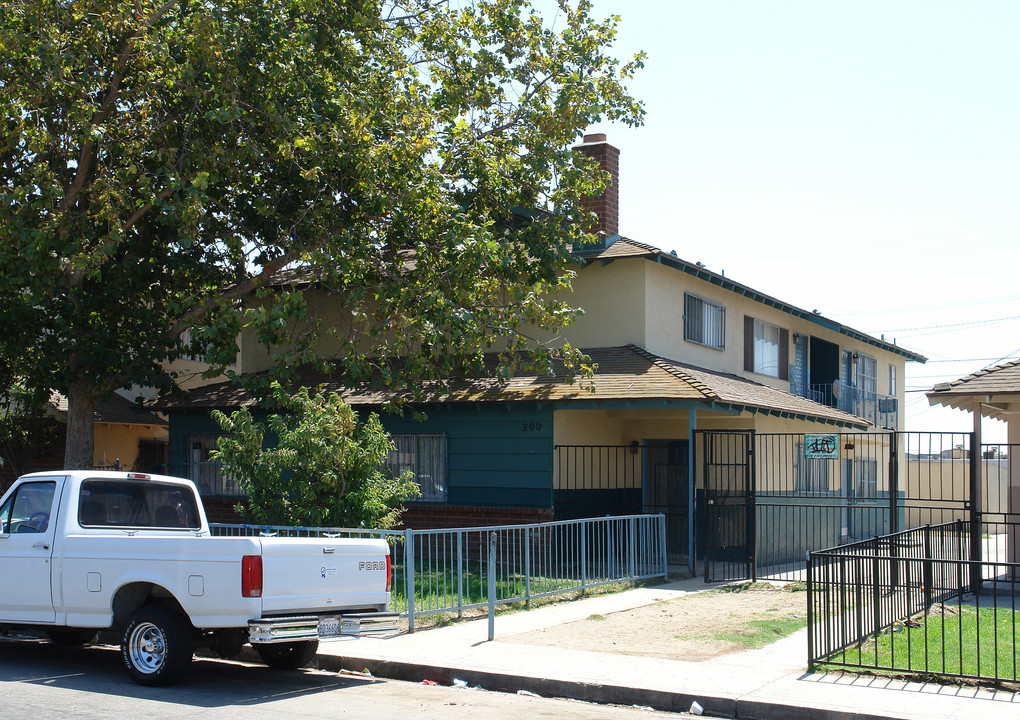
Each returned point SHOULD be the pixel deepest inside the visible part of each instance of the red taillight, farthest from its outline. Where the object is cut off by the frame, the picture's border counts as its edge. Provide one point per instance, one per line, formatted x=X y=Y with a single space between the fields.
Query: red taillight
x=389 y=572
x=251 y=576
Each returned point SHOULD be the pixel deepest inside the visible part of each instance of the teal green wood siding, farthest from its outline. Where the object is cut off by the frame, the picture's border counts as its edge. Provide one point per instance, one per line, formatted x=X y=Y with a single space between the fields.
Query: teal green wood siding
x=497 y=454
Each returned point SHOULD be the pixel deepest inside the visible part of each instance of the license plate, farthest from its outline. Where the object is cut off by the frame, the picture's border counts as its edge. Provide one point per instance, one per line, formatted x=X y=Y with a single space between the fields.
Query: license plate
x=329 y=626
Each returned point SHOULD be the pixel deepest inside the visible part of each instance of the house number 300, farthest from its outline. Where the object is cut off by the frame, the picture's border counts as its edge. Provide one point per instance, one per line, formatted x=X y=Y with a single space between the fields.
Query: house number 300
x=531 y=427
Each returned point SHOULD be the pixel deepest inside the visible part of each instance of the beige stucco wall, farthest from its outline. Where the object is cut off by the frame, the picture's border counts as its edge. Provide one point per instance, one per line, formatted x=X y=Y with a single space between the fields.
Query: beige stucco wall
x=614 y=305
x=637 y=301
x=619 y=428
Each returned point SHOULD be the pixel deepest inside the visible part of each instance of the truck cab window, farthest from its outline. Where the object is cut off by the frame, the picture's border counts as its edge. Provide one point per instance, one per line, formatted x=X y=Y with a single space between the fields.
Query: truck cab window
x=129 y=503
x=28 y=511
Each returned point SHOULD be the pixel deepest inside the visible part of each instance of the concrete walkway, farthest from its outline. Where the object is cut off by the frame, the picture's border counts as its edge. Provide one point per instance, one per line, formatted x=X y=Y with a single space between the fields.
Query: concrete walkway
x=768 y=683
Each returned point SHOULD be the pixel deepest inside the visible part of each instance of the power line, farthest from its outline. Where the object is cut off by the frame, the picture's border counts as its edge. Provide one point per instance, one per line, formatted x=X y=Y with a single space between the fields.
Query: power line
x=951 y=325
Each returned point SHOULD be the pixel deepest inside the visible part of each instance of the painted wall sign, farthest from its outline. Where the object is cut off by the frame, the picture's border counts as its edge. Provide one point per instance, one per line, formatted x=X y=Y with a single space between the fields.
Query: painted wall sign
x=821 y=447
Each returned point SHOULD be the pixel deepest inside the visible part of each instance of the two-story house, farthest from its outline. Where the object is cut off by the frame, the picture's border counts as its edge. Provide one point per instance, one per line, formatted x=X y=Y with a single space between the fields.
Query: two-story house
x=680 y=350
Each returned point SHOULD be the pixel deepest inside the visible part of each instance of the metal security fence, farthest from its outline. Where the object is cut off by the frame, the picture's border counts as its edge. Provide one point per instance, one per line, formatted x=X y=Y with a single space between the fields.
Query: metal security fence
x=764 y=500
x=458 y=570
x=805 y=502
x=649 y=478
x=908 y=603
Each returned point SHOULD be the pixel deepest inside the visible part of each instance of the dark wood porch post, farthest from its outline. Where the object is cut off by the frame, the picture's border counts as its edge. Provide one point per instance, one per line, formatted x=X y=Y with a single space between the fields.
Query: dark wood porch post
x=976 y=553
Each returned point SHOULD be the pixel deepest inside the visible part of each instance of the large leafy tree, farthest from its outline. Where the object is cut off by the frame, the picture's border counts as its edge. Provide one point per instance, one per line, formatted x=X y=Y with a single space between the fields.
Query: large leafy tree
x=174 y=172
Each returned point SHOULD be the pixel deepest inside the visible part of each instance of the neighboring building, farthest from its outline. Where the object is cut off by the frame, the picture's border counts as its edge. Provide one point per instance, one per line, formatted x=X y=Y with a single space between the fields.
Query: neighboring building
x=125 y=437
x=680 y=349
x=993 y=393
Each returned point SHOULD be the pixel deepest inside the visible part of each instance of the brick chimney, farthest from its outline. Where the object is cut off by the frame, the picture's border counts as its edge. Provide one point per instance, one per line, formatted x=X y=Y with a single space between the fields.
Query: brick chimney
x=606 y=205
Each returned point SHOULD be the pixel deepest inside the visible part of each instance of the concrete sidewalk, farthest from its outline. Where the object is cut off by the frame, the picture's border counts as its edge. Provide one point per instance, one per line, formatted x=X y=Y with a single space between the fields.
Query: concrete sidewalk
x=768 y=683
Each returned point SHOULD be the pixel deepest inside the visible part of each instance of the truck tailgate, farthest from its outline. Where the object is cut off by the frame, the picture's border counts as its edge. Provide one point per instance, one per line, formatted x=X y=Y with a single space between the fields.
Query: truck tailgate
x=302 y=575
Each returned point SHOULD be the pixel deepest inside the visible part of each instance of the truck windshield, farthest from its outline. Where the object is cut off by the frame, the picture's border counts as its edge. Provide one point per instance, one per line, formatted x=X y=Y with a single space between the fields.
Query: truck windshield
x=140 y=504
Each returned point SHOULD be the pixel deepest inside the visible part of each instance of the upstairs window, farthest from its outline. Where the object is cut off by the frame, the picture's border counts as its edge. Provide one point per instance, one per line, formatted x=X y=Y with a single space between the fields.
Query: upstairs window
x=892 y=380
x=704 y=322
x=867 y=375
x=766 y=348
x=425 y=456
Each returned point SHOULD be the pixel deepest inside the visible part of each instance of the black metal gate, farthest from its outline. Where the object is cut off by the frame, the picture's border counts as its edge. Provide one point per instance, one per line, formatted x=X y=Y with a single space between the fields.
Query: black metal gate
x=665 y=490
x=729 y=516
x=766 y=499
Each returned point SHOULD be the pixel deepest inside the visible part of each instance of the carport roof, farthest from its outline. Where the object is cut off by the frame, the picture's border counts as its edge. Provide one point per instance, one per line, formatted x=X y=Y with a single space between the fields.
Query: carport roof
x=994 y=388
x=626 y=374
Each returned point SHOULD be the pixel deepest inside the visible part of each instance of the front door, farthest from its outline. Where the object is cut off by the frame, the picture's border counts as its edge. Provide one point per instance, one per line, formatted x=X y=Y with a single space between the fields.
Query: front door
x=666 y=492
x=728 y=472
x=27 y=521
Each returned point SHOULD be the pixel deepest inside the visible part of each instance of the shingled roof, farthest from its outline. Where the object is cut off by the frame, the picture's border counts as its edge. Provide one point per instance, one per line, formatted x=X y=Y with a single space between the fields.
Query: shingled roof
x=625 y=374
x=993 y=387
x=116 y=410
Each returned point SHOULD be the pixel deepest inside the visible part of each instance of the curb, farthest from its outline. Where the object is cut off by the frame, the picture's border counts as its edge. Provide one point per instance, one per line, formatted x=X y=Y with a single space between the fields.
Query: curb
x=662 y=700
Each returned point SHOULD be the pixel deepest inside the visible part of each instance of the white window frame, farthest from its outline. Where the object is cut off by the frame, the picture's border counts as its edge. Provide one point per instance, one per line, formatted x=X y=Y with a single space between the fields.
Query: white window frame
x=704 y=322
x=424 y=454
x=892 y=381
x=766 y=349
x=867 y=383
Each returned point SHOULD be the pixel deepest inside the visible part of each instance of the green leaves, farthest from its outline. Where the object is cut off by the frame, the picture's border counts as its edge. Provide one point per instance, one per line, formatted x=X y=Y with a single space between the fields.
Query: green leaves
x=326 y=468
x=406 y=162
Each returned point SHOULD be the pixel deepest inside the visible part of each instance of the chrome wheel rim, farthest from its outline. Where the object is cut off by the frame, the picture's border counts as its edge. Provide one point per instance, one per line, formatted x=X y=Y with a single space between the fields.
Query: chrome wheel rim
x=147 y=648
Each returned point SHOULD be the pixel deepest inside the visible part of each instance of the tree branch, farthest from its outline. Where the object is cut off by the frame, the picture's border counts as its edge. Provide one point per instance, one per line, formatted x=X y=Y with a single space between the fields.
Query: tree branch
x=87 y=154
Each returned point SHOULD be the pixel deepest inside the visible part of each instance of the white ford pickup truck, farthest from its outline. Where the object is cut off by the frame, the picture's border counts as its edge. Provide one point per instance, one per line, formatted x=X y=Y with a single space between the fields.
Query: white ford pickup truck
x=87 y=551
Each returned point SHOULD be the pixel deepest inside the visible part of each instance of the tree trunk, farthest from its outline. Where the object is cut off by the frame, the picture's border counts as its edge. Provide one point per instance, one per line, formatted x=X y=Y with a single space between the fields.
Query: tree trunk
x=81 y=425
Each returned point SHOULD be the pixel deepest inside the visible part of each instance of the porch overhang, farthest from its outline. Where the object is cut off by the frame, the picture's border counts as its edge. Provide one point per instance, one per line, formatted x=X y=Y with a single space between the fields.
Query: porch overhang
x=994 y=392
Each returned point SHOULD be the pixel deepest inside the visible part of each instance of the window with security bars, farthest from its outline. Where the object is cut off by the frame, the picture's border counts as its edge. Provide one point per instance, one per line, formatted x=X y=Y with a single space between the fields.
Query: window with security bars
x=865 y=482
x=811 y=475
x=704 y=322
x=206 y=472
x=425 y=456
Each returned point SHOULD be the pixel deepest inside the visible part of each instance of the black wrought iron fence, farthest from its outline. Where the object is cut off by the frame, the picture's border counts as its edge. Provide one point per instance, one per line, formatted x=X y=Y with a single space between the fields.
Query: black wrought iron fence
x=612 y=480
x=907 y=603
x=807 y=501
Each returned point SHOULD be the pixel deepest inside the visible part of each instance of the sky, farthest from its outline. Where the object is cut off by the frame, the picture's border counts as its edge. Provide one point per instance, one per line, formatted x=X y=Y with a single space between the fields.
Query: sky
x=858 y=158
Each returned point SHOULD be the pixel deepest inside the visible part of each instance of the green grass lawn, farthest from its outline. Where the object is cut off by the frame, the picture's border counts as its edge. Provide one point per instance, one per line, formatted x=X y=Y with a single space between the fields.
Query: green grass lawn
x=772 y=625
x=954 y=640
x=439 y=589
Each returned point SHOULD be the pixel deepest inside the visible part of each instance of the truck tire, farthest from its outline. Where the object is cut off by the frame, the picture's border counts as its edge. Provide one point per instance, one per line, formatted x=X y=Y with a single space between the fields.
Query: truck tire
x=157 y=646
x=288 y=656
x=72 y=637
